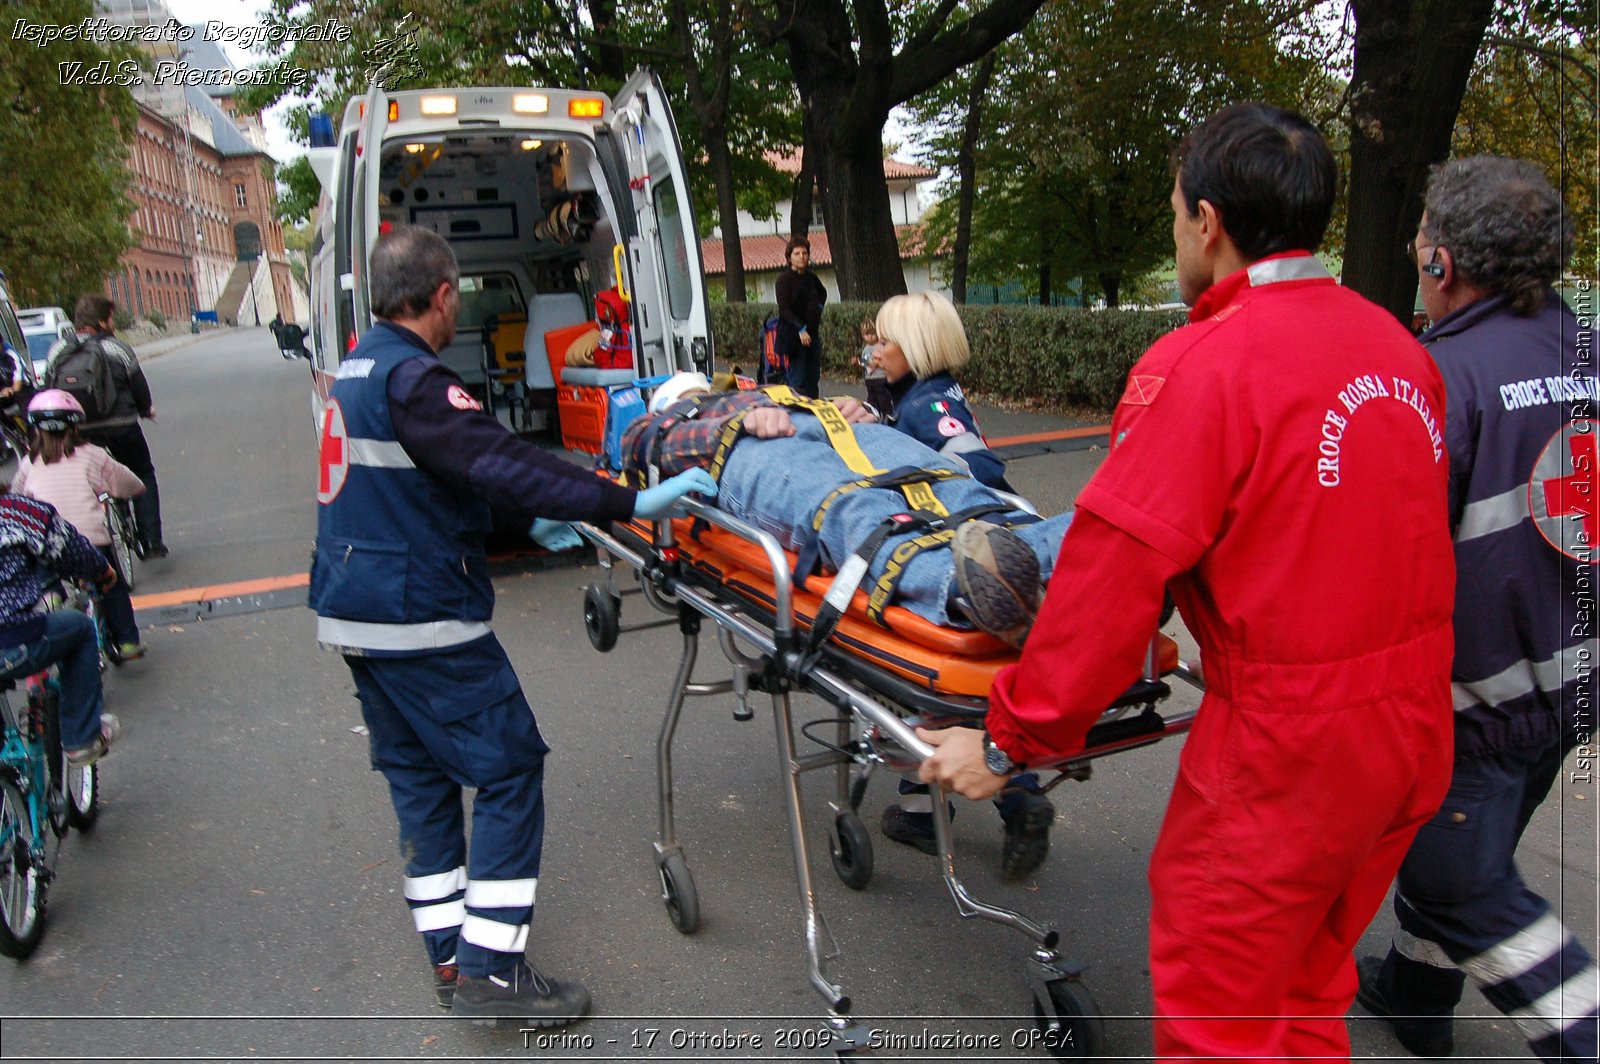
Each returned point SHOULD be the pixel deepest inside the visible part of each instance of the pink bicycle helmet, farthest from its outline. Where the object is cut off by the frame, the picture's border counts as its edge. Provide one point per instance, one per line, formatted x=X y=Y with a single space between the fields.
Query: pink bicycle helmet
x=54 y=410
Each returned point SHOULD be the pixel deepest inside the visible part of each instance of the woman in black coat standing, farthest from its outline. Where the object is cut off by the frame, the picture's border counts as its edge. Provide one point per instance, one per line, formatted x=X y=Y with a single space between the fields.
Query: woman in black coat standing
x=800 y=300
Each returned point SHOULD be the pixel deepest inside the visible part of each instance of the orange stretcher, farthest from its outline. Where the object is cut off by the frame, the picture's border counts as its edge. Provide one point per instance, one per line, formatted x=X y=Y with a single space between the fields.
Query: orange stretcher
x=884 y=679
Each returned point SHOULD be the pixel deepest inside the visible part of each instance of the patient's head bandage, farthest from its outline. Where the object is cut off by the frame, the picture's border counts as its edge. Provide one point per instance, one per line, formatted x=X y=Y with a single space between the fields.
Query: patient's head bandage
x=676 y=387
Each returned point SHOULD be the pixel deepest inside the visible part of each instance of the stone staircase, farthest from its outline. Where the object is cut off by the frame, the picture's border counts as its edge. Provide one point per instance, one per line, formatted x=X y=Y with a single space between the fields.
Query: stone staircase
x=235 y=293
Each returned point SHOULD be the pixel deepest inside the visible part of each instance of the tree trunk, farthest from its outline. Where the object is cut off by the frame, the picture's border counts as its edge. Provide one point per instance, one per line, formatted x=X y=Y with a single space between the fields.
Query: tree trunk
x=801 y=206
x=845 y=151
x=855 y=202
x=967 y=168
x=727 y=213
x=609 y=60
x=711 y=108
x=849 y=77
x=1412 y=62
x=1110 y=283
x=1046 y=250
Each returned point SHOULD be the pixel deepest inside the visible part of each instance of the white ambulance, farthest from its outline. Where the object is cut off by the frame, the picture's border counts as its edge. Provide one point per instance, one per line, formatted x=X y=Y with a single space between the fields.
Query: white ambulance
x=549 y=197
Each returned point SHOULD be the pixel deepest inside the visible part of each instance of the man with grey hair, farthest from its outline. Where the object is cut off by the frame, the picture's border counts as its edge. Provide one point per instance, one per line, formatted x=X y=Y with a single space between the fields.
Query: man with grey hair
x=411 y=465
x=1520 y=428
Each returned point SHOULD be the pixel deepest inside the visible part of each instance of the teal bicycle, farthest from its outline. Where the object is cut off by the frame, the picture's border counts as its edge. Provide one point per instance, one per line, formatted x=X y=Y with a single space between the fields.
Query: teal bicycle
x=41 y=799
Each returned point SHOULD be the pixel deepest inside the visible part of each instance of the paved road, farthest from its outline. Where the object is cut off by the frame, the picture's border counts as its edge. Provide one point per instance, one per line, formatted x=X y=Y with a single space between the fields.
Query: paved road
x=239 y=899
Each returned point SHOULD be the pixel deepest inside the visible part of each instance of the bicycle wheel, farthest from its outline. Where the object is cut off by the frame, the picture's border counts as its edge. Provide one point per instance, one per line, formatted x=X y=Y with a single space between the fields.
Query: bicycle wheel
x=79 y=787
x=119 y=522
x=21 y=886
x=13 y=441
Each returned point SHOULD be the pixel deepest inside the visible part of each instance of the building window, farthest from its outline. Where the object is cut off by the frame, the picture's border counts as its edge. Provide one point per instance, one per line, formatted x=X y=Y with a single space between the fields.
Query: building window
x=239 y=197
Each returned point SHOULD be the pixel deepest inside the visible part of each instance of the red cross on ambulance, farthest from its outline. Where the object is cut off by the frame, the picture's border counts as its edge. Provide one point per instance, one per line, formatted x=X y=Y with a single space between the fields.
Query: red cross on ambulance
x=1561 y=494
x=335 y=457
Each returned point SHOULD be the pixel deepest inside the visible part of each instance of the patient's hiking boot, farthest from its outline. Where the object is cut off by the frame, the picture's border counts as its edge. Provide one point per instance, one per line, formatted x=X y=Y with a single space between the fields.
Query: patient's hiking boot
x=1423 y=1035
x=912 y=829
x=1027 y=836
x=998 y=576
x=521 y=994
x=444 y=983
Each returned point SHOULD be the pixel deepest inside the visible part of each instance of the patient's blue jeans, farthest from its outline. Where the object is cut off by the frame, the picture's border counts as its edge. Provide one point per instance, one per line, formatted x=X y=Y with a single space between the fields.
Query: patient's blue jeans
x=779 y=484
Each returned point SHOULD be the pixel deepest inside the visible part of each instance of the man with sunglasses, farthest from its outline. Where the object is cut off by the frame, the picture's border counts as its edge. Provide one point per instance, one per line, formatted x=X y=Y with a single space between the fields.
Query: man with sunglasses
x=1519 y=425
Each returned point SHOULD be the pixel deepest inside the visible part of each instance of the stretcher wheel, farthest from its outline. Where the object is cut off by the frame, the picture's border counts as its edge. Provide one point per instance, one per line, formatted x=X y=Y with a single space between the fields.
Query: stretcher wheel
x=601 y=617
x=678 y=894
x=1071 y=1026
x=851 y=849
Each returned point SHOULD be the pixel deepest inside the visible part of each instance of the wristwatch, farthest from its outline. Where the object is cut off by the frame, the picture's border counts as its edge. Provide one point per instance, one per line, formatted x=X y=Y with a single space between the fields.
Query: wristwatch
x=997 y=760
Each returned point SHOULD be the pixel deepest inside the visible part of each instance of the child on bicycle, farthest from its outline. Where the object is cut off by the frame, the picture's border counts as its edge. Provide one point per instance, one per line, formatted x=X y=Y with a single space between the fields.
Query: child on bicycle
x=70 y=475
x=33 y=537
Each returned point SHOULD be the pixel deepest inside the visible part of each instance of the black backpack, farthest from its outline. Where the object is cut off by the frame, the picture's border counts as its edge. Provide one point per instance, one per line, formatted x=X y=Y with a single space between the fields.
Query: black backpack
x=84 y=372
x=772 y=365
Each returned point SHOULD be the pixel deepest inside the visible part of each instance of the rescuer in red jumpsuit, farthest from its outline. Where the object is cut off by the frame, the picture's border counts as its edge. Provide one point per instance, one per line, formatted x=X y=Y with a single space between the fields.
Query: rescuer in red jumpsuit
x=1279 y=463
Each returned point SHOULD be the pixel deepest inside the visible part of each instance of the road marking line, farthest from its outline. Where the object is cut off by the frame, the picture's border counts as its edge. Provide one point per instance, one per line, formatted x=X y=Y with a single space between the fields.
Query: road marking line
x=215 y=591
x=1046 y=437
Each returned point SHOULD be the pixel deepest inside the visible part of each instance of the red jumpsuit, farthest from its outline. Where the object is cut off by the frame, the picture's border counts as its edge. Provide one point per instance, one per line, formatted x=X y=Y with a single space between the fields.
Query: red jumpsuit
x=1280 y=463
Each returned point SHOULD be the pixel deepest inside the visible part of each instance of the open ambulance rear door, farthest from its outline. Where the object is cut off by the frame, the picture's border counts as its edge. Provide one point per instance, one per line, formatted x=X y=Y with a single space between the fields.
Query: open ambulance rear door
x=366 y=200
x=671 y=320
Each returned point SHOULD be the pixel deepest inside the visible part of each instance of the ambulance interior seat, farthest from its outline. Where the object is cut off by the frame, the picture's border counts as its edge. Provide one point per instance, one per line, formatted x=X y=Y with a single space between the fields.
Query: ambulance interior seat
x=548 y=311
x=465 y=352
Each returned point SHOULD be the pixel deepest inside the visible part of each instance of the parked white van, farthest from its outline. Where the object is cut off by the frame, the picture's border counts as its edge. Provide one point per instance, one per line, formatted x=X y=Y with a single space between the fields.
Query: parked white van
x=41 y=327
x=548 y=197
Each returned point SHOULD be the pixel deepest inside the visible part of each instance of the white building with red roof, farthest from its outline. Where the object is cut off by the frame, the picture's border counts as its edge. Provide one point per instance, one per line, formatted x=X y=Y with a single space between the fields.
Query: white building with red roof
x=762 y=239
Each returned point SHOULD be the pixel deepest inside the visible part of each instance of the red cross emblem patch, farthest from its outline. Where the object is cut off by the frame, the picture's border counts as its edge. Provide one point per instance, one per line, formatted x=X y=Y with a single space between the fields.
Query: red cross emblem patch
x=335 y=456
x=1561 y=493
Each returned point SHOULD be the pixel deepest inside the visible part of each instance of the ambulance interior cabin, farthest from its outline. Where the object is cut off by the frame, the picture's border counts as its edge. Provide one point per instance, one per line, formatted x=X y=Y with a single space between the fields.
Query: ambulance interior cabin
x=531 y=222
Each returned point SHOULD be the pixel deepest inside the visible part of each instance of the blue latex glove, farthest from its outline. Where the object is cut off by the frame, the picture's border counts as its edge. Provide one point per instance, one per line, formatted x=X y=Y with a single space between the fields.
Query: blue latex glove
x=555 y=535
x=656 y=502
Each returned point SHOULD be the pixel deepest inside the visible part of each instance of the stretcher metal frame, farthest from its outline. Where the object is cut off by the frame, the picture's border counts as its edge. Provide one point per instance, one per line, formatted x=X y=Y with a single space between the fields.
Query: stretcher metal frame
x=879 y=714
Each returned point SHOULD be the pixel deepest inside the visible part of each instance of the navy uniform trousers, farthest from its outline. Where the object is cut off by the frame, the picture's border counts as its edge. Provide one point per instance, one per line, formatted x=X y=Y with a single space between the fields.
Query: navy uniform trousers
x=440 y=722
x=1464 y=910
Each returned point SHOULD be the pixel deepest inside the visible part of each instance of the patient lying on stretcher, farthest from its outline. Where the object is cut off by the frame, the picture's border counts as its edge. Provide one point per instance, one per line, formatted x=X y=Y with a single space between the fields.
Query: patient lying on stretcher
x=989 y=573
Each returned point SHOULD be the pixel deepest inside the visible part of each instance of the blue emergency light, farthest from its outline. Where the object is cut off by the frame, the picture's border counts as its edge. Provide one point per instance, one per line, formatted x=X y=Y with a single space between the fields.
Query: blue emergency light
x=322 y=131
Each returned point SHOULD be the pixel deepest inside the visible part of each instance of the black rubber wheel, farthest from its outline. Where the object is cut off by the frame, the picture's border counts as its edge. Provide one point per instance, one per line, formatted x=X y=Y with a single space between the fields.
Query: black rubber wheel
x=77 y=802
x=601 y=617
x=851 y=849
x=1072 y=1028
x=678 y=894
x=49 y=711
x=120 y=523
x=21 y=884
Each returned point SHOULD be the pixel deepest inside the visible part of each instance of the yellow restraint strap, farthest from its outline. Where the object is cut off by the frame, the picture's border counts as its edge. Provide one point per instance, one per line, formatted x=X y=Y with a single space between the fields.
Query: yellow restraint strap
x=845 y=444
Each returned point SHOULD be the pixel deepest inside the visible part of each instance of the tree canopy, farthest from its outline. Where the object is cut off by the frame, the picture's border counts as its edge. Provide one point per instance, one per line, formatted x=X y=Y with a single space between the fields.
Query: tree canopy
x=1072 y=171
x=64 y=206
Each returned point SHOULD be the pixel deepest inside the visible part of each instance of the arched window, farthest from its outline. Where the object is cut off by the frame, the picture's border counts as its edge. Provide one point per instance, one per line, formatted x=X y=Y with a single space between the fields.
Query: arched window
x=247 y=241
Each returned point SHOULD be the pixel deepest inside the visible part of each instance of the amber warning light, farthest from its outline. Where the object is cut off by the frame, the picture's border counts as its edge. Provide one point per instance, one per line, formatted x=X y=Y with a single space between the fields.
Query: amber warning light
x=585 y=107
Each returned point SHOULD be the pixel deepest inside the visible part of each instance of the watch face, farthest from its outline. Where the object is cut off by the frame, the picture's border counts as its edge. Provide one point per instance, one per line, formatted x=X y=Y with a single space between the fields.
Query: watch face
x=997 y=760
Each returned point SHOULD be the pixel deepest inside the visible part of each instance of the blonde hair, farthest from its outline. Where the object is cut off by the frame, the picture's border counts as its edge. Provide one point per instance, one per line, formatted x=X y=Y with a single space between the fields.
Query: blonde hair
x=928 y=330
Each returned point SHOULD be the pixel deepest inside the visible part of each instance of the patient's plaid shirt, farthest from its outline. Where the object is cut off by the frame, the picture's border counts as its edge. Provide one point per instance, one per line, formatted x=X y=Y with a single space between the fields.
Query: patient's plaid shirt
x=688 y=431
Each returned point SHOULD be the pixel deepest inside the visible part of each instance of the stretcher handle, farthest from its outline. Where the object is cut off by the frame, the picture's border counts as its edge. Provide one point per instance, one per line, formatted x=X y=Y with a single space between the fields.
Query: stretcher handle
x=777 y=560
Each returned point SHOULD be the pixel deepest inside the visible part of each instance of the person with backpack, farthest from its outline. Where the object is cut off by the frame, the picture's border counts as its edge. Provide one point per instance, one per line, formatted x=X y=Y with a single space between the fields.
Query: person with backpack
x=102 y=373
x=71 y=475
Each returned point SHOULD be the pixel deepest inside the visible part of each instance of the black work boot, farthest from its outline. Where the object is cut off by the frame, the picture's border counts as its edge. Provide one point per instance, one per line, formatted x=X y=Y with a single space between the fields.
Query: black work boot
x=1423 y=1016
x=1027 y=838
x=521 y=994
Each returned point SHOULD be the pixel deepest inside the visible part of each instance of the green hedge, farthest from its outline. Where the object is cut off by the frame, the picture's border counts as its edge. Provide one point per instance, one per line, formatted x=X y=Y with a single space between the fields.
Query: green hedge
x=1058 y=356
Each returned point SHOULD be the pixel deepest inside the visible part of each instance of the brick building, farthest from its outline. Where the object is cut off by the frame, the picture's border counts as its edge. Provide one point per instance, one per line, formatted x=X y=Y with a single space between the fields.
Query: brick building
x=206 y=235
